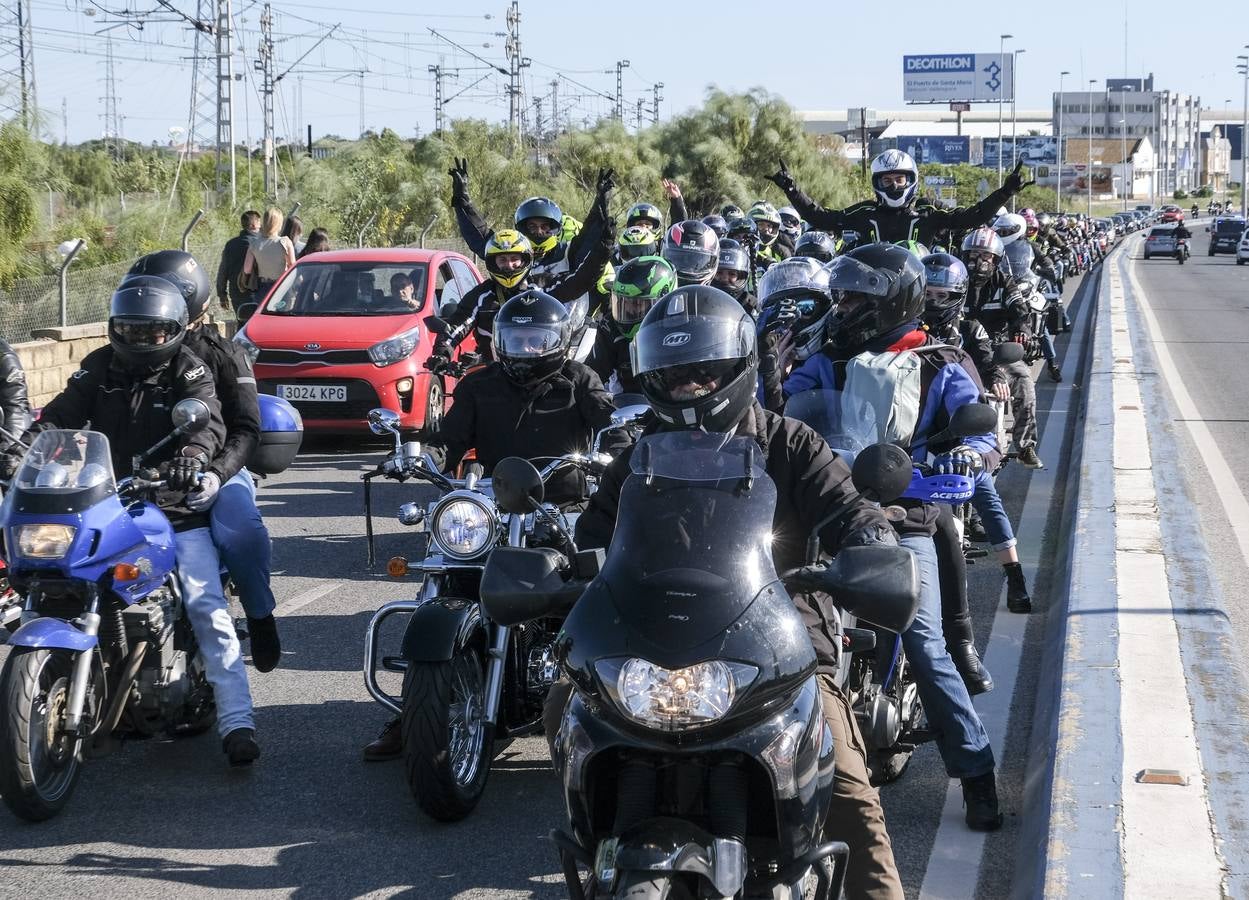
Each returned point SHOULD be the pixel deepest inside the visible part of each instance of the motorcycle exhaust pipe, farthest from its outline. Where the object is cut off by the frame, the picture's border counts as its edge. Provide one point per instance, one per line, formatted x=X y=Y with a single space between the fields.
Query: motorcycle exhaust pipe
x=128 y=676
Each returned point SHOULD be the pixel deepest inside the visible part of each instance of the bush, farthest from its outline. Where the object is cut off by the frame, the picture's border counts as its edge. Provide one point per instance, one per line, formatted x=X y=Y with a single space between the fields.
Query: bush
x=1180 y=195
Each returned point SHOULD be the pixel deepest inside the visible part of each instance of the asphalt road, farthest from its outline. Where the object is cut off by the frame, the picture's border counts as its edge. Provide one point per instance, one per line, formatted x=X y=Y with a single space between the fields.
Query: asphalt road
x=166 y=818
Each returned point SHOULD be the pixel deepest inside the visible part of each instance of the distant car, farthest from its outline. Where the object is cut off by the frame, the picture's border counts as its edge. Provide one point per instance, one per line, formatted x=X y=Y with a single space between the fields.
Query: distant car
x=1160 y=241
x=1225 y=235
x=1171 y=214
x=341 y=333
x=1242 y=249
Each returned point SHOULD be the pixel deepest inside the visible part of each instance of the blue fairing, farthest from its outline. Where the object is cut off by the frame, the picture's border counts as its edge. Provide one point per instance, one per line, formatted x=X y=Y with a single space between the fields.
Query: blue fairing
x=51 y=633
x=940 y=488
x=277 y=414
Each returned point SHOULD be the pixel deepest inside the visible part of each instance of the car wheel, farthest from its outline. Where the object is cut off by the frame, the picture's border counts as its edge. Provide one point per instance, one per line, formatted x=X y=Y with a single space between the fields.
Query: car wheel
x=1211 y=253
x=1239 y=261
x=1147 y=256
x=435 y=400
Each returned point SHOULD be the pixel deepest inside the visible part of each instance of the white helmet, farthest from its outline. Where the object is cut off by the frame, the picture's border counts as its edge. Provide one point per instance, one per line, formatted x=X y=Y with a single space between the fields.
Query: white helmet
x=895 y=161
x=1010 y=227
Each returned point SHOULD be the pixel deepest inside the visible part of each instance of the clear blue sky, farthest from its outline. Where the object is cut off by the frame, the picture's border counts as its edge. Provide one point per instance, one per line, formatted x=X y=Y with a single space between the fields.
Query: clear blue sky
x=818 y=58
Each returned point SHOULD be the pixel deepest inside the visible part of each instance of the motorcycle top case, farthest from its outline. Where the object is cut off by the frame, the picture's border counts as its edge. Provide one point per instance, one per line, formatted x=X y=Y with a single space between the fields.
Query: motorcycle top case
x=281 y=433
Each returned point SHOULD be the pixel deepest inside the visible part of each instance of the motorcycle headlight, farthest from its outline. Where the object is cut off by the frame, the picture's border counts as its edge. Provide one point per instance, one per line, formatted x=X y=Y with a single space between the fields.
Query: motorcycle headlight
x=249 y=348
x=44 y=541
x=463 y=528
x=396 y=349
x=673 y=699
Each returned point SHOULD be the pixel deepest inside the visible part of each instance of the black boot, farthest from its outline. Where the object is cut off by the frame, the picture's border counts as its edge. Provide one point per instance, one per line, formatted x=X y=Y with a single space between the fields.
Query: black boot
x=980 y=799
x=387 y=745
x=266 y=646
x=975 y=529
x=1056 y=373
x=962 y=649
x=240 y=747
x=955 y=615
x=1017 y=598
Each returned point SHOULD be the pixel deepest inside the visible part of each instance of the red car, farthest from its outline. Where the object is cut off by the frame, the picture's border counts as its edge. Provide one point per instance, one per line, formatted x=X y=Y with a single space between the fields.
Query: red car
x=343 y=332
x=1172 y=214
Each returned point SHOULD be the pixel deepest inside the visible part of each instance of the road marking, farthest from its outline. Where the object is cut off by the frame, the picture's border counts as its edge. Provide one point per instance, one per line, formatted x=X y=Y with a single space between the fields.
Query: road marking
x=957 y=851
x=303 y=598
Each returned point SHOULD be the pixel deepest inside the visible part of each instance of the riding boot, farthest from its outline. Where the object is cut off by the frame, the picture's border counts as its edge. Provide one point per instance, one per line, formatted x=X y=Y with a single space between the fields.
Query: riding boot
x=1017 y=597
x=955 y=615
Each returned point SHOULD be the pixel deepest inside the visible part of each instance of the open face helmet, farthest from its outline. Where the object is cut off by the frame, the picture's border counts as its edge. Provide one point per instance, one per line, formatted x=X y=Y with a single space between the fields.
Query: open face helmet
x=895 y=178
x=732 y=269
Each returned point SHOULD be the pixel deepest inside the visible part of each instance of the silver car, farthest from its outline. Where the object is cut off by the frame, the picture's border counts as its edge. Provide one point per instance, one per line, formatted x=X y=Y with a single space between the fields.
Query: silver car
x=1161 y=241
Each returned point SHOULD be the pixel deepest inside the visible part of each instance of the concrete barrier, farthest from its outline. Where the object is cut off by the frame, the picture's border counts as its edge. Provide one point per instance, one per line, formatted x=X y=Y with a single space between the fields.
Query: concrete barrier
x=55 y=354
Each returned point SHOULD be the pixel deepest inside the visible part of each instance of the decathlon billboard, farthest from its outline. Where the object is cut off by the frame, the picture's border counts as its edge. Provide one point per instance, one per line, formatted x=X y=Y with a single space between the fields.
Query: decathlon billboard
x=958 y=78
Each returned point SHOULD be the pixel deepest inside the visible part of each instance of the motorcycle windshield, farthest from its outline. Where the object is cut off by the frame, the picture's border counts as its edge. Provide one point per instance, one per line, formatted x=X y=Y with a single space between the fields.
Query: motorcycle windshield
x=64 y=470
x=1017 y=261
x=846 y=425
x=693 y=547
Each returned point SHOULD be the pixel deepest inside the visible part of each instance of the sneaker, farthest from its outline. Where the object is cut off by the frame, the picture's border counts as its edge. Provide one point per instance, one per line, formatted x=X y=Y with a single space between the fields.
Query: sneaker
x=1017 y=598
x=980 y=800
x=387 y=745
x=1056 y=373
x=266 y=647
x=1028 y=457
x=240 y=747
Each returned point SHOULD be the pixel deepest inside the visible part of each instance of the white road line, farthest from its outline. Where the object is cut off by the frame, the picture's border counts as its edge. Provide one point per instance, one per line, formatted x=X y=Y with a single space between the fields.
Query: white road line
x=1155 y=717
x=303 y=598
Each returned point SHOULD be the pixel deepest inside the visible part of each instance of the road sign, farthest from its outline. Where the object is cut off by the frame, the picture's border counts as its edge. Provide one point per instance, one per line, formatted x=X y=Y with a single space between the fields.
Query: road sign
x=958 y=78
x=960 y=107
x=940 y=180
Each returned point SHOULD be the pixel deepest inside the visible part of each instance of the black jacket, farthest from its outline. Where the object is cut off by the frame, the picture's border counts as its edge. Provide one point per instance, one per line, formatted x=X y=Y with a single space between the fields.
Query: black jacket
x=499 y=418
x=610 y=356
x=236 y=390
x=232 y=256
x=14 y=402
x=813 y=490
x=921 y=221
x=476 y=233
x=133 y=409
x=999 y=306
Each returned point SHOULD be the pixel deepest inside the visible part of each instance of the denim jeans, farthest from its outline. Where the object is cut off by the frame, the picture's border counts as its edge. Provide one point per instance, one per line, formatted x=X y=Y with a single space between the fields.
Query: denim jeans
x=987 y=502
x=960 y=736
x=199 y=571
x=1047 y=346
x=243 y=542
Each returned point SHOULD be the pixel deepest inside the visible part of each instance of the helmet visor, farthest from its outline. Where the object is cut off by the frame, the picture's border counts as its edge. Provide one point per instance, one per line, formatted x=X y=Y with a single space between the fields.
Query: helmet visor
x=630 y=310
x=680 y=340
x=633 y=251
x=143 y=333
x=530 y=341
x=691 y=381
x=803 y=275
x=850 y=276
x=691 y=262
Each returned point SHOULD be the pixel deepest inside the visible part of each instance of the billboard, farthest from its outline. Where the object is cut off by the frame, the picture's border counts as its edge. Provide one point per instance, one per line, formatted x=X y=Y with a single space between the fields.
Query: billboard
x=936 y=149
x=958 y=78
x=1033 y=150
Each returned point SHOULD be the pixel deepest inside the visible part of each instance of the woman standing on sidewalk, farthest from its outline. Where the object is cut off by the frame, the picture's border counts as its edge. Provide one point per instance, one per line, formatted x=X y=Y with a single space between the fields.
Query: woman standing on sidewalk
x=271 y=254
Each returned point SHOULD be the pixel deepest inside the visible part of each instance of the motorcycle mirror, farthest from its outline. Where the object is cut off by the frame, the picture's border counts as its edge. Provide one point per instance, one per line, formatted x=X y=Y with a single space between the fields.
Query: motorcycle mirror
x=246 y=311
x=972 y=418
x=1008 y=353
x=190 y=415
x=436 y=325
x=626 y=415
x=879 y=584
x=517 y=485
x=383 y=421
x=882 y=472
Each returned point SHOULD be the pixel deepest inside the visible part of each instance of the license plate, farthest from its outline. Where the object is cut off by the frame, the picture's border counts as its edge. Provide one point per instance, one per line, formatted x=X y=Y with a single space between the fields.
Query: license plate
x=315 y=393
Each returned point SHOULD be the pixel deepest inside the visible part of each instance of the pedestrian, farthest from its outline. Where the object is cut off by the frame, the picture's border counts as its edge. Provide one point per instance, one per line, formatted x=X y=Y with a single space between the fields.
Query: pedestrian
x=229 y=292
x=295 y=231
x=270 y=256
x=318 y=241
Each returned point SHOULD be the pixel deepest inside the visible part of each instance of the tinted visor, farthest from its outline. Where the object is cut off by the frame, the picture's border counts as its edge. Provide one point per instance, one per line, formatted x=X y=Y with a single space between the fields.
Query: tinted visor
x=691 y=262
x=677 y=384
x=633 y=251
x=141 y=333
x=530 y=341
x=849 y=276
x=684 y=340
x=628 y=310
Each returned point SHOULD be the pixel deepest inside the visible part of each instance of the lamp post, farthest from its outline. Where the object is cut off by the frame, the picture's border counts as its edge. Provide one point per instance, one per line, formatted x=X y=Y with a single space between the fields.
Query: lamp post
x=1088 y=171
x=1123 y=149
x=1244 y=130
x=1061 y=76
x=1014 y=93
x=1001 y=55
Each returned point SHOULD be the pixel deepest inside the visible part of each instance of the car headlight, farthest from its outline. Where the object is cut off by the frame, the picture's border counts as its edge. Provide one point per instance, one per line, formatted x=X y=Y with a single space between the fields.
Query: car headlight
x=44 y=541
x=672 y=699
x=463 y=528
x=249 y=348
x=396 y=349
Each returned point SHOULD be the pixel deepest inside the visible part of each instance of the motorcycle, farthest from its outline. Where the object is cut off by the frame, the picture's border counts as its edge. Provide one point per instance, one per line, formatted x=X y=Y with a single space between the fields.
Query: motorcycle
x=1181 y=250
x=470 y=683
x=693 y=752
x=105 y=644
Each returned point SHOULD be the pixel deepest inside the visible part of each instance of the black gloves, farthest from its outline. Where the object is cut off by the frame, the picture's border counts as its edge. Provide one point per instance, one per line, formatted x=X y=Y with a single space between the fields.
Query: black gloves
x=459 y=180
x=9 y=463
x=782 y=179
x=183 y=474
x=1015 y=182
x=606 y=182
x=608 y=235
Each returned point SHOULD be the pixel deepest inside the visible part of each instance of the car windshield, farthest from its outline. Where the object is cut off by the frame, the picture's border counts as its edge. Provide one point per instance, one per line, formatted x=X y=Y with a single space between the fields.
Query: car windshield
x=1162 y=232
x=350 y=289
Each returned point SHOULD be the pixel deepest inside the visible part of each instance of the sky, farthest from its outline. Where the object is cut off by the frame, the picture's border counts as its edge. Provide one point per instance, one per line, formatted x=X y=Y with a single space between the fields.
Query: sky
x=819 y=58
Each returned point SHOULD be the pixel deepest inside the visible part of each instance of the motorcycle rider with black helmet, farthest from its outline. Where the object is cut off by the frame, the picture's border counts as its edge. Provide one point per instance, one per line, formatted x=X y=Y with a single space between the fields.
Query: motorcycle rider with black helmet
x=694 y=251
x=237 y=527
x=533 y=402
x=733 y=275
x=127 y=390
x=819 y=245
x=717 y=224
x=706 y=381
x=878 y=352
x=897 y=214
x=639 y=284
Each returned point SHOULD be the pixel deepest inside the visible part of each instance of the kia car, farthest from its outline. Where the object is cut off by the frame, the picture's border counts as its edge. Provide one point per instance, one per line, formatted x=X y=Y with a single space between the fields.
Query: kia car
x=344 y=331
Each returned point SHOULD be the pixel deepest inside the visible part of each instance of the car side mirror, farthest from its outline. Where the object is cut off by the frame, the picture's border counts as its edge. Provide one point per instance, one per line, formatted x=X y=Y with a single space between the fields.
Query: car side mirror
x=246 y=311
x=517 y=485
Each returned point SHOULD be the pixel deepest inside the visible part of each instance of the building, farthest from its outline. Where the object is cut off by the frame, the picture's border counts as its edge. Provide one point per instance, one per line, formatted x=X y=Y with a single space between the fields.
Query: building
x=886 y=129
x=1130 y=109
x=1216 y=159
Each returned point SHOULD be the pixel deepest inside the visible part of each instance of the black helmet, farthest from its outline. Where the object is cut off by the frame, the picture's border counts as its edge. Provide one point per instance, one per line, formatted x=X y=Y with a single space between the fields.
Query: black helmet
x=645 y=214
x=187 y=275
x=532 y=334
x=743 y=227
x=876 y=288
x=817 y=245
x=695 y=359
x=732 y=211
x=693 y=249
x=540 y=208
x=945 y=280
x=146 y=321
x=732 y=269
x=717 y=224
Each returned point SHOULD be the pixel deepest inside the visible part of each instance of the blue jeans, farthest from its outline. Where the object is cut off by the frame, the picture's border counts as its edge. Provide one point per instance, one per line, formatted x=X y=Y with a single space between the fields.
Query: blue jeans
x=1047 y=345
x=199 y=572
x=987 y=502
x=960 y=736
x=243 y=541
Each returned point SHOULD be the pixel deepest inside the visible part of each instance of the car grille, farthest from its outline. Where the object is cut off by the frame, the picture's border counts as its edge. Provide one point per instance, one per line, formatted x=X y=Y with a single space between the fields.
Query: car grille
x=360 y=398
x=322 y=357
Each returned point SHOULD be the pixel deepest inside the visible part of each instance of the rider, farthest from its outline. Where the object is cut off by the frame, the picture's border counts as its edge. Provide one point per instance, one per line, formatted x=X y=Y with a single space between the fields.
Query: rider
x=773 y=247
x=127 y=390
x=791 y=224
x=896 y=214
x=818 y=245
x=639 y=283
x=533 y=402
x=1013 y=227
x=706 y=380
x=878 y=353
x=733 y=275
x=636 y=240
x=647 y=214
x=694 y=251
x=15 y=415
x=237 y=528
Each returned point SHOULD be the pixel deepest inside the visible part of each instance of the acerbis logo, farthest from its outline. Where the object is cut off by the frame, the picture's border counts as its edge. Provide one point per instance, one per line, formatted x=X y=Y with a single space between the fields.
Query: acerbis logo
x=677 y=339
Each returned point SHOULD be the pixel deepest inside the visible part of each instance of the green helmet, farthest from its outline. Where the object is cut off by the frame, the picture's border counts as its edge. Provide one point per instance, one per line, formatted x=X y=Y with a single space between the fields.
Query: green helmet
x=643 y=213
x=767 y=220
x=915 y=247
x=638 y=240
x=639 y=284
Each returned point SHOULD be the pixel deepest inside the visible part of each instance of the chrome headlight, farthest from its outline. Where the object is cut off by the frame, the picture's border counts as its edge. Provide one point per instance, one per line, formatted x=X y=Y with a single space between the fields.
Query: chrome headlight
x=44 y=541
x=673 y=699
x=463 y=528
x=396 y=349
x=249 y=348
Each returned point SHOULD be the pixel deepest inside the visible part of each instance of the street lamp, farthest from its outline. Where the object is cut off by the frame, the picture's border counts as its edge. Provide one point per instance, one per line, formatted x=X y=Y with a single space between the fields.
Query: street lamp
x=1244 y=130
x=1088 y=171
x=1123 y=149
x=1014 y=93
x=1001 y=55
x=1061 y=75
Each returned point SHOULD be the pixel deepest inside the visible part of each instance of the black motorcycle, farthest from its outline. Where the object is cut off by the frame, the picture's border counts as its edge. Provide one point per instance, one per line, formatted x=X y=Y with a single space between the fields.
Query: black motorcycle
x=694 y=755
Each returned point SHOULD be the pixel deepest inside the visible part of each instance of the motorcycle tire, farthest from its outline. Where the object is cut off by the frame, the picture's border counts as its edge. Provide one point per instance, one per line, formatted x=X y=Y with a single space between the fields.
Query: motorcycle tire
x=37 y=777
x=447 y=752
x=649 y=886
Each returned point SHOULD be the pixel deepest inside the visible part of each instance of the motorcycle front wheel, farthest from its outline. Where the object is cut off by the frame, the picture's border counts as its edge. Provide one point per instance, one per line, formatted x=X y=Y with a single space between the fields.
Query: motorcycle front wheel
x=39 y=765
x=446 y=739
